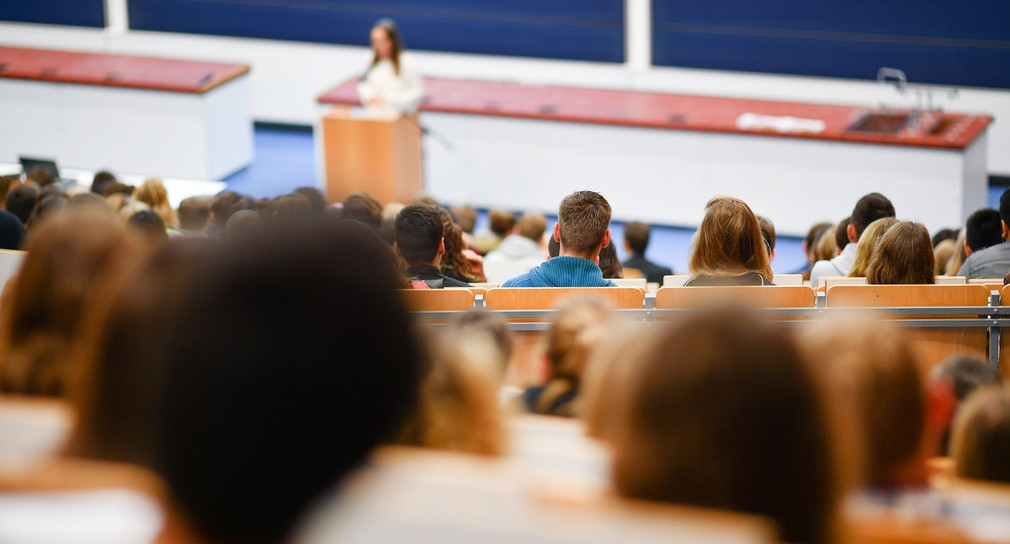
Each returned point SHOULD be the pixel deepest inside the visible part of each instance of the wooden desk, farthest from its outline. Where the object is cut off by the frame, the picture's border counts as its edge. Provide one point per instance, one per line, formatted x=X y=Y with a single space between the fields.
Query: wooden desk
x=660 y=157
x=377 y=154
x=143 y=115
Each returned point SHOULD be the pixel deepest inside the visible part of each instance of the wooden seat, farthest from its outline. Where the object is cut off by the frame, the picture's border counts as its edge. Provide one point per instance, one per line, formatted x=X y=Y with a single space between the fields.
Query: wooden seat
x=787 y=279
x=827 y=282
x=933 y=344
x=438 y=300
x=546 y=298
x=778 y=296
x=631 y=282
x=951 y=280
x=675 y=280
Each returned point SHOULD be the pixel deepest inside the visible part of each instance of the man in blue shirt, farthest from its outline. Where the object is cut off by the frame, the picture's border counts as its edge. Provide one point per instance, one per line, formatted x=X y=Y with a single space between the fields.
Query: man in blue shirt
x=583 y=228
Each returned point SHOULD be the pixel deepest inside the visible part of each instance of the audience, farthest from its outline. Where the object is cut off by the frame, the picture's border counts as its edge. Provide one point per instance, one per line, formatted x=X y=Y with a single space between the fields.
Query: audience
x=459 y=262
x=153 y=193
x=70 y=260
x=768 y=235
x=867 y=244
x=12 y=232
x=810 y=248
x=867 y=210
x=501 y=223
x=984 y=228
x=994 y=261
x=194 y=213
x=737 y=425
x=610 y=266
x=962 y=374
x=363 y=207
x=636 y=240
x=20 y=201
x=457 y=407
x=181 y=355
x=583 y=228
x=903 y=255
x=570 y=341
x=419 y=241
x=959 y=256
x=981 y=437
x=287 y=358
x=728 y=248
x=524 y=242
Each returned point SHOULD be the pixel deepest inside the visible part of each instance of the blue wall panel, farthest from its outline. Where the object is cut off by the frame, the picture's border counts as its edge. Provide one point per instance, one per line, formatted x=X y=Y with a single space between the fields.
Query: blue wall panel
x=562 y=29
x=54 y=12
x=933 y=41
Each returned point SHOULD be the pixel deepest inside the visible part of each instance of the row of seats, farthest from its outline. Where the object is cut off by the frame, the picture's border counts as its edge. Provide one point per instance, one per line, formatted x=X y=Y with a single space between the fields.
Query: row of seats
x=784 y=296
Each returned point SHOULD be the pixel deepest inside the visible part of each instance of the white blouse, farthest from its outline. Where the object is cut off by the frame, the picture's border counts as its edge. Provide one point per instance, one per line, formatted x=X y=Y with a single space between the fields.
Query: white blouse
x=401 y=93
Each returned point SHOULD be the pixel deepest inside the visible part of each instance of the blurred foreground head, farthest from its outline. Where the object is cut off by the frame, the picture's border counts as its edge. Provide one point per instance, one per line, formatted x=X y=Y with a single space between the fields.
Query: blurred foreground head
x=288 y=356
x=735 y=425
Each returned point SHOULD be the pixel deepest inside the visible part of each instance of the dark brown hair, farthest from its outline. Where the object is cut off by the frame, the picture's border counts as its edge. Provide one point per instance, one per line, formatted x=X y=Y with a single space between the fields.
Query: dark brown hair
x=636 y=234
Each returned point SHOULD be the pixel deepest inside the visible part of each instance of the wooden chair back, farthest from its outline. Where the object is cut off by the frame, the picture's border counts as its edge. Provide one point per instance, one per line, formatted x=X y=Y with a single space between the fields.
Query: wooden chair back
x=438 y=300
x=546 y=298
x=827 y=282
x=675 y=280
x=631 y=282
x=778 y=296
x=787 y=279
x=951 y=280
x=932 y=344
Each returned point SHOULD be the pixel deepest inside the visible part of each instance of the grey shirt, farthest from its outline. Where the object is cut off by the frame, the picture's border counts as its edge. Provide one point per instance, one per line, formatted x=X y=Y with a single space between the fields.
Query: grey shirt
x=991 y=262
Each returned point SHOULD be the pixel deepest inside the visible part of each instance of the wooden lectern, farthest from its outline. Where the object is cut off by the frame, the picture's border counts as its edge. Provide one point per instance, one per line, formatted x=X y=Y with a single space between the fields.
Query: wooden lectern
x=376 y=153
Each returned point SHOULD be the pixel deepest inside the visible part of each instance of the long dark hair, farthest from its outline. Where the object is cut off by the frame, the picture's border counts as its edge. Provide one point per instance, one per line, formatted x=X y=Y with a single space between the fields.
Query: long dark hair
x=393 y=32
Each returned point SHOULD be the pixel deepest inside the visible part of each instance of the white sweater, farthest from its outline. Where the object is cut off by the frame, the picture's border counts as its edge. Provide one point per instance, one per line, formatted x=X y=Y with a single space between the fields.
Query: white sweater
x=401 y=93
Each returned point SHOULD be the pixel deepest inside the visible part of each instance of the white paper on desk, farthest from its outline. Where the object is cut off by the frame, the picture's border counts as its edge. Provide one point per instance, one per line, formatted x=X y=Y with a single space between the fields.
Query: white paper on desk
x=753 y=121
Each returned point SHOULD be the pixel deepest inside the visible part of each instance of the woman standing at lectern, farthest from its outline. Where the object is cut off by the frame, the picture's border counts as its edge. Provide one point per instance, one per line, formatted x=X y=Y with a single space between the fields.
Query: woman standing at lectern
x=390 y=83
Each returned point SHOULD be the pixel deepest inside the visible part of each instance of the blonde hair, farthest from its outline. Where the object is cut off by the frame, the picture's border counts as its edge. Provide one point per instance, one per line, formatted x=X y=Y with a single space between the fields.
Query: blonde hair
x=607 y=377
x=867 y=242
x=957 y=259
x=729 y=242
x=981 y=435
x=570 y=341
x=457 y=406
x=153 y=193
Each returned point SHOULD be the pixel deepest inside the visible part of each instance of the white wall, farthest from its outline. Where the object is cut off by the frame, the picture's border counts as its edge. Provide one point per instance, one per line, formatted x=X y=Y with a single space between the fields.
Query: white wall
x=287 y=77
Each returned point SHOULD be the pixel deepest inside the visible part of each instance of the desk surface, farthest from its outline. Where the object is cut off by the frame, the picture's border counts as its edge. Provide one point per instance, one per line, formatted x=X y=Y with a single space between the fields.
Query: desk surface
x=116 y=70
x=669 y=111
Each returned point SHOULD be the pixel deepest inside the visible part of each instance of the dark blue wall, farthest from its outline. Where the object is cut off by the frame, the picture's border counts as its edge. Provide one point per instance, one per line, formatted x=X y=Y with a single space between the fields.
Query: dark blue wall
x=561 y=29
x=54 y=12
x=933 y=41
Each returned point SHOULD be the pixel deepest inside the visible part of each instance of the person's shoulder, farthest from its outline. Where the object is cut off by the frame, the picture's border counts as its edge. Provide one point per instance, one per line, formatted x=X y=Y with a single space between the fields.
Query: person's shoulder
x=522 y=280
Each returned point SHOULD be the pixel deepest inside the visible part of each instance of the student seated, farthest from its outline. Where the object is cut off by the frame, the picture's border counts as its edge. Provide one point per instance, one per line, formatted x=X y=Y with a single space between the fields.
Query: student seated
x=570 y=342
x=636 y=240
x=737 y=425
x=993 y=261
x=286 y=357
x=981 y=438
x=524 y=243
x=867 y=243
x=904 y=255
x=728 y=247
x=583 y=228
x=419 y=241
x=868 y=209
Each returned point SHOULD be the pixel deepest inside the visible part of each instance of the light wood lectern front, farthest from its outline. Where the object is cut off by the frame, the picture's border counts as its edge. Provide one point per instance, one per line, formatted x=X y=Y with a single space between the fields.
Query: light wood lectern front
x=376 y=153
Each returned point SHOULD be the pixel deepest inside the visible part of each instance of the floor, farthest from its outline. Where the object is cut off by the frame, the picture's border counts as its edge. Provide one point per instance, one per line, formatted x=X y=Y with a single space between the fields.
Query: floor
x=285 y=160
